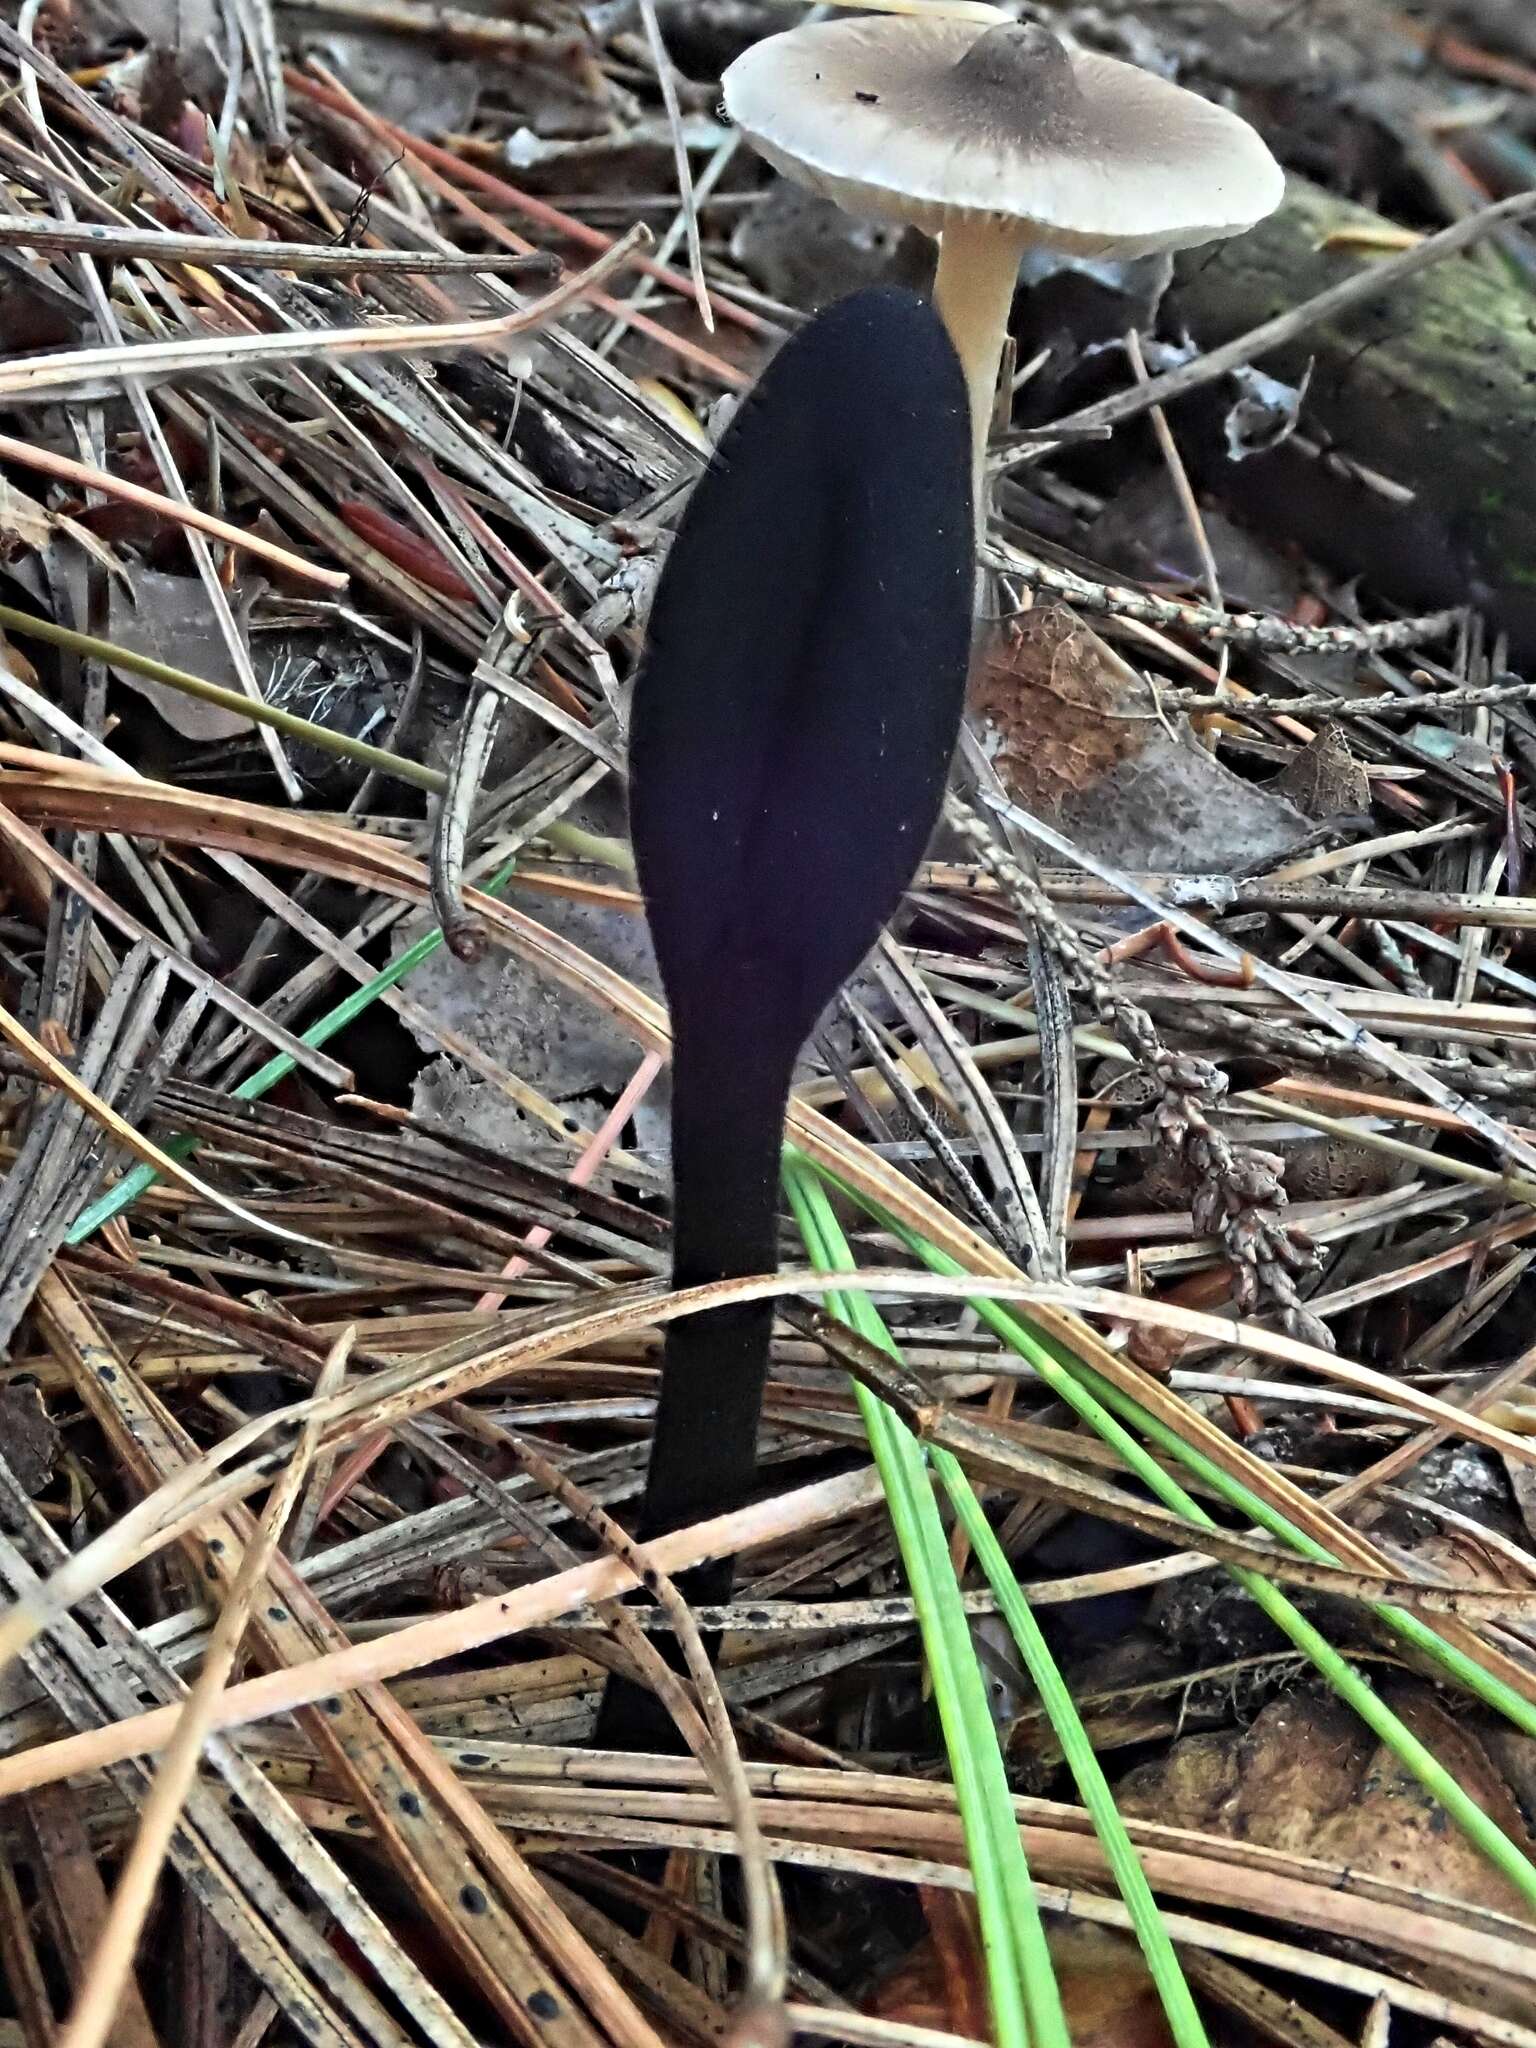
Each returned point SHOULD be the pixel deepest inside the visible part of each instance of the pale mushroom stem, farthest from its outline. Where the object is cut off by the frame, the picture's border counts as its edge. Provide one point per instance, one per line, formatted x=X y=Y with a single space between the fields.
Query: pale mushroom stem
x=973 y=291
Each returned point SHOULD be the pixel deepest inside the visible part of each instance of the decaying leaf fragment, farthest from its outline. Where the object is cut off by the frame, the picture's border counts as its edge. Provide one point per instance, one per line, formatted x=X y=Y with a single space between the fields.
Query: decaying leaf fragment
x=1308 y=1778
x=1078 y=739
x=1060 y=707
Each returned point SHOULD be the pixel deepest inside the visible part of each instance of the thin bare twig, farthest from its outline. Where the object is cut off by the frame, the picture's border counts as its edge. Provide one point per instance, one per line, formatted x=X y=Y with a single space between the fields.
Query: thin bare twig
x=82 y=366
x=1242 y=629
x=325 y=258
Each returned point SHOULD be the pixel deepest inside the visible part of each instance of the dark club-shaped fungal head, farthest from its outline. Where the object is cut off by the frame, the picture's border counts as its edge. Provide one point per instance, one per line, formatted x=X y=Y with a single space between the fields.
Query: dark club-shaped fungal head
x=800 y=694
x=792 y=728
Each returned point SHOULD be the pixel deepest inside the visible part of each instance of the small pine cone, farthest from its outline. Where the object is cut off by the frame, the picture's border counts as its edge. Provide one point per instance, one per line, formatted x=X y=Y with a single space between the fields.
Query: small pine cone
x=1208 y=1152
x=1307 y=1328
x=1245 y=1235
x=1172 y=1124
x=1137 y=1032
x=1208 y=1210
x=1295 y=1319
x=1293 y=1248
x=1187 y=1074
x=1254 y=1177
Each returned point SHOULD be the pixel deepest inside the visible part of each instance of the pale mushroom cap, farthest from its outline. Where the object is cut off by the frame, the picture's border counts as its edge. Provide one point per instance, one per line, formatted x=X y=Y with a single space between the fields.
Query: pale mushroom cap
x=943 y=120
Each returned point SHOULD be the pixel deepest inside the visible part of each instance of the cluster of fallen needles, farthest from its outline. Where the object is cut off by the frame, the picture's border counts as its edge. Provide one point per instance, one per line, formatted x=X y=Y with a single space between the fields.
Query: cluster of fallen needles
x=559 y=1492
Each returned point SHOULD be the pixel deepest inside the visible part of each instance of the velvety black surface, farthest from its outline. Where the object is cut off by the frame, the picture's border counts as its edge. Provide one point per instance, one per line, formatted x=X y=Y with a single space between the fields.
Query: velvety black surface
x=792 y=729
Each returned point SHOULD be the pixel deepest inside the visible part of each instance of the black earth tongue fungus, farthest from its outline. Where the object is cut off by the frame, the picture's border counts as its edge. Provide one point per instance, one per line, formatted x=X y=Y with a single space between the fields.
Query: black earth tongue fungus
x=791 y=734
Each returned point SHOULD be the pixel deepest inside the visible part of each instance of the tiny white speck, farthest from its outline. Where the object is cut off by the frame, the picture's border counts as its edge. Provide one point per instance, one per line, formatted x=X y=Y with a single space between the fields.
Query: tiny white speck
x=716 y=816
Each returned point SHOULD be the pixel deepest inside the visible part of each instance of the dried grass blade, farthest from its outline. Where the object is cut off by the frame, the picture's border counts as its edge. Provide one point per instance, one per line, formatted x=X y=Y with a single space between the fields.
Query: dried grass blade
x=1495 y=1133
x=37 y=1056
x=668 y=87
x=88 y=477
x=487 y=1621
x=92 y=2018
x=71 y=877
x=165 y=246
x=72 y=367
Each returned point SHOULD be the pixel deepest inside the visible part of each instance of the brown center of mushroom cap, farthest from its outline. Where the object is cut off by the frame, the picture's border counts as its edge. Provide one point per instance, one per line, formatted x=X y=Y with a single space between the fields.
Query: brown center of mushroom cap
x=1021 y=76
x=1014 y=87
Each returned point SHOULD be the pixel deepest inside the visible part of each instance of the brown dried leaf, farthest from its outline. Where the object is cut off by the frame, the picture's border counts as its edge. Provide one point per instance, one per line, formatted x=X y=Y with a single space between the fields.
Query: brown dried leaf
x=1106 y=1988
x=1324 y=779
x=169 y=619
x=1061 y=707
x=1308 y=1778
x=1076 y=738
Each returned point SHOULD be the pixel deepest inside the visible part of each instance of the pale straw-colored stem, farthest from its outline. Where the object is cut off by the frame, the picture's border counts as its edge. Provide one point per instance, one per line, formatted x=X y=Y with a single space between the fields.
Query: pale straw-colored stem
x=978 y=268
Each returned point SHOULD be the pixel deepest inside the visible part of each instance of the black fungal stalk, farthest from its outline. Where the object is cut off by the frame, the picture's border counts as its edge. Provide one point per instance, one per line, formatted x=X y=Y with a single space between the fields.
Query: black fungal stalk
x=791 y=734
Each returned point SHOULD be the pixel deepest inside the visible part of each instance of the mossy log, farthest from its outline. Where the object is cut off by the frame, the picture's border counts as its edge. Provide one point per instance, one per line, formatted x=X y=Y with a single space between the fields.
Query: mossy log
x=1433 y=385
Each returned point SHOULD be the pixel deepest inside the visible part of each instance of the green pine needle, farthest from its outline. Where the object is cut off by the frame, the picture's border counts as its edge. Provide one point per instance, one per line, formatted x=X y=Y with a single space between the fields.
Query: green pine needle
x=125 y=1192
x=1021 y=1983
x=1092 y=1398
